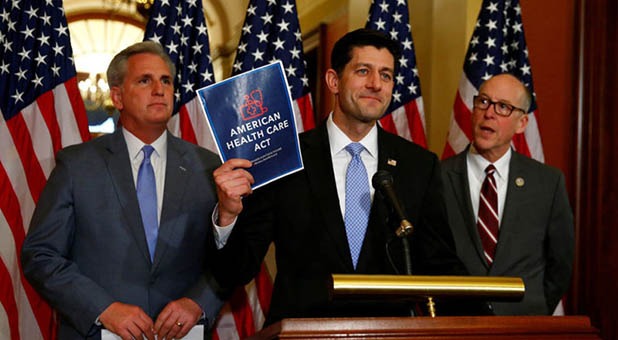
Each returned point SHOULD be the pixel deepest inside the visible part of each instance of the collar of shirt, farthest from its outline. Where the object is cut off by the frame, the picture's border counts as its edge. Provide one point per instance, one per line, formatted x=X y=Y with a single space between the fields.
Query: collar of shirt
x=158 y=160
x=476 y=165
x=341 y=158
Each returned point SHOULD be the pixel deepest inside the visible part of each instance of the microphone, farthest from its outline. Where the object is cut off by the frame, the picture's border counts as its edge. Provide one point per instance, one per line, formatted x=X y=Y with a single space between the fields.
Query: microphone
x=382 y=181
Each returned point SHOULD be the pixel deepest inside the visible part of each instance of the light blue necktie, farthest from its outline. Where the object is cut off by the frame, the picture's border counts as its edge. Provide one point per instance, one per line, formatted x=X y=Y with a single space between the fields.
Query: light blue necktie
x=357 y=201
x=147 y=197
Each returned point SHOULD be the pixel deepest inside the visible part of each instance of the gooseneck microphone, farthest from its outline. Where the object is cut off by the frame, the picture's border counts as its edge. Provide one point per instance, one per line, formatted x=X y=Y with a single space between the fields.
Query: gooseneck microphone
x=382 y=181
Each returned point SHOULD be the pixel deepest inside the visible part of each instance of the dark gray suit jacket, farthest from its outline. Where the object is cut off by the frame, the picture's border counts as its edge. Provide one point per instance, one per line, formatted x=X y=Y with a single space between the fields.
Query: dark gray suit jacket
x=536 y=239
x=86 y=246
x=301 y=214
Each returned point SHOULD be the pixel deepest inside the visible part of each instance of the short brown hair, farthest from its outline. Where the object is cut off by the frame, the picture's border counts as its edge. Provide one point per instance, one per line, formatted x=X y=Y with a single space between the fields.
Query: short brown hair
x=117 y=68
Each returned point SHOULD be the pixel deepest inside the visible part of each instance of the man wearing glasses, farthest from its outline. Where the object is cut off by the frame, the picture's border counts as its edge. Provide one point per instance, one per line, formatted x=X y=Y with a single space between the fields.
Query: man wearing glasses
x=509 y=214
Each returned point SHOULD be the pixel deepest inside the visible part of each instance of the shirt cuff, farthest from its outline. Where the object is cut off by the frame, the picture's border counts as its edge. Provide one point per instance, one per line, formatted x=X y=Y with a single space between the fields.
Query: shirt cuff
x=221 y=233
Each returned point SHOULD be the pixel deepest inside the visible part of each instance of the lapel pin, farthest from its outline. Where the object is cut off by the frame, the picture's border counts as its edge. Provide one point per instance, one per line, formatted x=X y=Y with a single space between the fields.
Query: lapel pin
x=519 y=181
x=391 y=162
x=182 y=168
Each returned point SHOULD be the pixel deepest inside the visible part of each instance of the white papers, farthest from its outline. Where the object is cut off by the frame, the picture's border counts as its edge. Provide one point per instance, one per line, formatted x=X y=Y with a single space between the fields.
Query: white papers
x=196 y=333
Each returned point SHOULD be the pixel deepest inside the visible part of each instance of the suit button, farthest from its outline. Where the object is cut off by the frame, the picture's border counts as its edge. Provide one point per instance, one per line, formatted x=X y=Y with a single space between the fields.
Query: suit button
x=490 y=306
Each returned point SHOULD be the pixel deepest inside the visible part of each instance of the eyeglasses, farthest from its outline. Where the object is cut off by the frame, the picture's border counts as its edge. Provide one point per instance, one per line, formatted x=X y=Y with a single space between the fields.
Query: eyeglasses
x=502 y=109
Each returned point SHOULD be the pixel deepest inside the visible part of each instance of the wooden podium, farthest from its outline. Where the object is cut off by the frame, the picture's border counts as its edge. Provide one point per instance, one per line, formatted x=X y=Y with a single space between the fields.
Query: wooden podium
x=485 y=327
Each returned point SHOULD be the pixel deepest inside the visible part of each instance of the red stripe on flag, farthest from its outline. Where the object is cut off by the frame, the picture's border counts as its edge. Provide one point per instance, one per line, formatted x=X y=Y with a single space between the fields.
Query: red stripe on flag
x=23 y=143
x=306 y=111
x=79 y=110
x=264 y=288
x=10 y=208
x=448 y=151
x=462 y=116
x=241 y=310
x=388 y=124
x=521 y=145
x=415 y=124
x=186 y=127
x=7 y=298
x=48 y=111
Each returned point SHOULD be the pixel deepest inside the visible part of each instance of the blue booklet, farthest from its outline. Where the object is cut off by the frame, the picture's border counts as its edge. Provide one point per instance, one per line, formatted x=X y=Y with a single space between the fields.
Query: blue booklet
x=251 y=117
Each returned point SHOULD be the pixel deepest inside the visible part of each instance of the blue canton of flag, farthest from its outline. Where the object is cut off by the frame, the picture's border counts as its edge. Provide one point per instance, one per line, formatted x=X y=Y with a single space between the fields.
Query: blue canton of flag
x=271 y=32
x=407 y=117
x=180 y=27
x=498 y=45
x=35 y=55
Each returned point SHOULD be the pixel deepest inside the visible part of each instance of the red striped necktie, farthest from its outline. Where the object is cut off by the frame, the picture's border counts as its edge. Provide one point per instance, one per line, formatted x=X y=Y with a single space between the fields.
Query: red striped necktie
x=488 y=220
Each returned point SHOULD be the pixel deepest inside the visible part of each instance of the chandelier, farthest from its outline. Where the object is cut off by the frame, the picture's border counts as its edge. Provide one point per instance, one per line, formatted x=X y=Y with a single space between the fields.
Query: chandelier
x=95 y=93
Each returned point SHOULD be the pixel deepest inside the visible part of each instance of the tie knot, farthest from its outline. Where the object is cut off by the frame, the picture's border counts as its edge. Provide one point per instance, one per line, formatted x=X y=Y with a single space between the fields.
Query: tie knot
x=148 y=149
x=354 y=149
x=490 y=169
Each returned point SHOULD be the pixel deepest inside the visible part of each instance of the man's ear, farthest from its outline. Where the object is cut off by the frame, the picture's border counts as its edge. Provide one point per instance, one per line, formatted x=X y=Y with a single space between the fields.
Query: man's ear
x=332 y=81
x=116 y=95
x=522 y=123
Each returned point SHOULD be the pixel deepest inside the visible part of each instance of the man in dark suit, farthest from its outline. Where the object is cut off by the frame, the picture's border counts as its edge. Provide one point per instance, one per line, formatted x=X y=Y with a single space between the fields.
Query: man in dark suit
x=118 y=235
x=509 y=214
x=326 y=219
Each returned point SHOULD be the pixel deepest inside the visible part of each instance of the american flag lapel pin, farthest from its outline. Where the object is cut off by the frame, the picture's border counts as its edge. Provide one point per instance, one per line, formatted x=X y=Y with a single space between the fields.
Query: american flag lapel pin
x=391 y=162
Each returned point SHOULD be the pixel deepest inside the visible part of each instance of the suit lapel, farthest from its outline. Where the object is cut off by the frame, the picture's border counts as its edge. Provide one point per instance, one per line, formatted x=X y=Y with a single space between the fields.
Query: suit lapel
x=177 y=172
x=461 y=188
x=319 y=168
x=514 y=195
x=119 y=167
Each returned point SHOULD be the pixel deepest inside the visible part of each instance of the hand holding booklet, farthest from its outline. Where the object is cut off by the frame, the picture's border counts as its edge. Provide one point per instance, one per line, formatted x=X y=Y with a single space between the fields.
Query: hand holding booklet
x=251 y=117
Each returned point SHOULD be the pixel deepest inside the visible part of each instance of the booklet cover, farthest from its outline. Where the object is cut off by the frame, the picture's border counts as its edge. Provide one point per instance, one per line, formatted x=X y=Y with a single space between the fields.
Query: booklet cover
x=251 y=117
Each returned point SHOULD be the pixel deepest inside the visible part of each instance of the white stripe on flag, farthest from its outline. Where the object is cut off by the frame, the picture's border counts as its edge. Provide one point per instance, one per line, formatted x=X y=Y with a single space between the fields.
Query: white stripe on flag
x=200 y=125
x=66 y=120
x=467 y=91
x=421 y=110
x=298 y=115
x=173 y=125
x=41 y=138
x=457 y=139
x=400 y=119
x=5 y=329
x=8 y=253
x=254 y=304
x=15 y=171
x=533 y=137
x=226 y=326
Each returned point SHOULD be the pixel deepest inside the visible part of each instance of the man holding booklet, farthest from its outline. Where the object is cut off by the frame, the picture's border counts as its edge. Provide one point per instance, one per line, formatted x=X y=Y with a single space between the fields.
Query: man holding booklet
x=326 y=218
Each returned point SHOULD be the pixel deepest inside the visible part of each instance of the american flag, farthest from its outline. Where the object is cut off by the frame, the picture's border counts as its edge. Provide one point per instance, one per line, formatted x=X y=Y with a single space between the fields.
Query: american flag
x=179 y=26
x=405 y=116
x=498 y=45
x=42 y=112
x=270 y=32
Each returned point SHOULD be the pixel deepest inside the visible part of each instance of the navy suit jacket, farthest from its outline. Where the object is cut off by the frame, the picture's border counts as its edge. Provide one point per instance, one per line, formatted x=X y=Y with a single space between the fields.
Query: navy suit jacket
x=86 y=246
x=301 y=214
x=536 y=239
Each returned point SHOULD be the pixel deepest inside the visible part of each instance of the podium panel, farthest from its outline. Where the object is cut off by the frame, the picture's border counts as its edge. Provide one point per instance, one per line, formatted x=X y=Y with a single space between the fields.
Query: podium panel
x=486 y=327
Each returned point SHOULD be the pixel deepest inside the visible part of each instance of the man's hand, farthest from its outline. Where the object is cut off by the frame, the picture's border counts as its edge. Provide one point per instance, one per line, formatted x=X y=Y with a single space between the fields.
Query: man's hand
x=127 y=321
x=233 y=182
x=177 y=319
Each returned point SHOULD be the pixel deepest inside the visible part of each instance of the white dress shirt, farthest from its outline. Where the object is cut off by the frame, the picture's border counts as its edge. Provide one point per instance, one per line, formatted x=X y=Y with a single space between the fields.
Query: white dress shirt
x=341 y=158
x=476 y=175
x=158 y=160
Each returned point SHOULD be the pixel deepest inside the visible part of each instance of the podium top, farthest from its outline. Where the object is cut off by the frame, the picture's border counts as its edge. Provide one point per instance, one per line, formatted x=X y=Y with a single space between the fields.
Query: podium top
x=419 y=288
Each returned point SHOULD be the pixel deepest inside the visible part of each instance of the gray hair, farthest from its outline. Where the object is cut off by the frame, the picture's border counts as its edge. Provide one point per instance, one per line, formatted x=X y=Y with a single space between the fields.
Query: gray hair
x=117 y=68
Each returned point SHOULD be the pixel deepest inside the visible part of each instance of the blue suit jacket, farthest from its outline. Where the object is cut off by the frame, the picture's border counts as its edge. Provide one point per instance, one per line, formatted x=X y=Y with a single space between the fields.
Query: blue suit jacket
x=86 y=246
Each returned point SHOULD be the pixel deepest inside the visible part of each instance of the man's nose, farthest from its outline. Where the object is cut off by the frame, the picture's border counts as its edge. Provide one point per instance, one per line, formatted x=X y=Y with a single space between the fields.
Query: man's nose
x=375 y=81
x=157 y=87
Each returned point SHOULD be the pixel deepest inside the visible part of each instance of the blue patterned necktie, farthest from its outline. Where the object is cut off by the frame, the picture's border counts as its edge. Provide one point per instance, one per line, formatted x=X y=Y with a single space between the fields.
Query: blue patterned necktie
x=357 y=201
x=147 y=197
